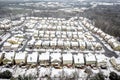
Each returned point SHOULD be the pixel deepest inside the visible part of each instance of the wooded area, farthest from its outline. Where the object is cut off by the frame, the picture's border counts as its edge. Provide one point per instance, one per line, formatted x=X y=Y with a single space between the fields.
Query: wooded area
x=106 y=18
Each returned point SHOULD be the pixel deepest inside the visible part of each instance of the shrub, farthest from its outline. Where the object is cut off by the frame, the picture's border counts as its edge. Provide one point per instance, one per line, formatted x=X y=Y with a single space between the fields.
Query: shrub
x=6 y=75
x=114 y=76
x=29 y=77
x=98 y=76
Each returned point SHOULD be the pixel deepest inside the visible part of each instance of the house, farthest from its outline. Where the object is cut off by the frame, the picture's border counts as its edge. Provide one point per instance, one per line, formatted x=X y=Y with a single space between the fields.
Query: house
x=14 y=47
x=13 y=40
x=56 y=59
x=46 y=44
x=99 y=31
x=30 y=44
x=103 y=35
x=66 y=44
x=44 y=58
x=1 y=56
x=96 y=45
x=116 y=46
x=111 y=41
x=74 y=45
x=32 y=58
x=7 y=46
x=89 y=45
x=101 y=60
x=79 y=60
x=81 y=37
x=75 y=36
x=53 y=44
x=107 y=37
x=60 y=44
x=95 y=30
x=8 y=57
x=20 y=57
x=90 y=59
x=69 y=34
x=82 y=45
x=79 y=29
x=90 y=38
x=91 y=27
x=115 y=63
x=67 y=59
x=38 y=44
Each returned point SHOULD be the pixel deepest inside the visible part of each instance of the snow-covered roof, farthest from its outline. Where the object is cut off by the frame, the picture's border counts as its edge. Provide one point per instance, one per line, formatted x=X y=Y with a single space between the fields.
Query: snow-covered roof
x=60 y=43
x=15 y=46
x=116 y=44
x=101 y=58
x=31 y=42
x=20 y=55
x=90 y=57
x=7 y=44
x=69 y=72
x=44 y=56
x=74 y=44
x=66 y=43
x=99 y=31
x=79 y=59
x=107 y=37
x=67 y=56
x=9 y=55
x=53 y=43
x=103 y=34
x=55 y=57
x=118 y=60
x=56 y=73
x=111 y=40
x=39 y=42
x=32 y=57
x=45 y=43
x=82 y=43
x=95 y=29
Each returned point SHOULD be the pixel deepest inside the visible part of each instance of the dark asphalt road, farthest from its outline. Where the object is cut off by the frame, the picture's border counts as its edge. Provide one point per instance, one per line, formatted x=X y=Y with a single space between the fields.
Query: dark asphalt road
x=107 y=52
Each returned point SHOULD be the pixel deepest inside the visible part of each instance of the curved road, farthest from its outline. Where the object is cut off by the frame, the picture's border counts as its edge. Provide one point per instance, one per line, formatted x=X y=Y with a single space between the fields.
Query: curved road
x=107 y=52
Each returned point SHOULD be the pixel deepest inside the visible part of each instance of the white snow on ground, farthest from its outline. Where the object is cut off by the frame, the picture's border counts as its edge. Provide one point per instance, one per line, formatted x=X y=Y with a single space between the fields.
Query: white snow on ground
x=4 y=69
x=18 y=71
x=69 y=72
x=44 y=71
x=82 y=74
x=57 y=73
x=32 y=71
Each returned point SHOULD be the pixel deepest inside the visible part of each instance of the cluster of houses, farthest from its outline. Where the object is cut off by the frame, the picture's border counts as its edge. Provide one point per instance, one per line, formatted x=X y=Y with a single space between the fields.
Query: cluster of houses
x=59 y=33
x=13 y=43
x=7 y=23
x=54 y=59
x=108 y=38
